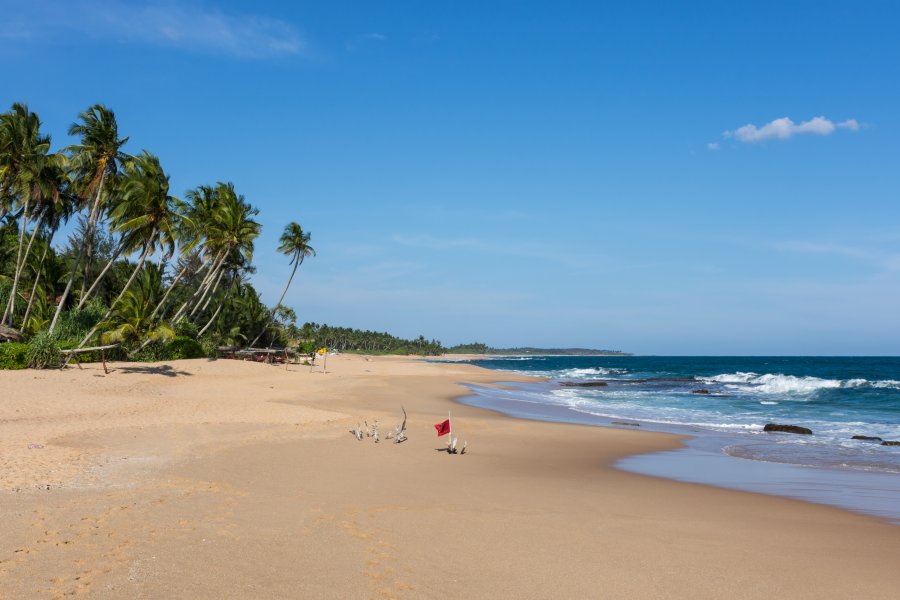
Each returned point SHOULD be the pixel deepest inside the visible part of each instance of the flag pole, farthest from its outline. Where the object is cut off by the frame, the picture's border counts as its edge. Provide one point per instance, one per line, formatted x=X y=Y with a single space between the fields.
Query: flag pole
x=449 y=428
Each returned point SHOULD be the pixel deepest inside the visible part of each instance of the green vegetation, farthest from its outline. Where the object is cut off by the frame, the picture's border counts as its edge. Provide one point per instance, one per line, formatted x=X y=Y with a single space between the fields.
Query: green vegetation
x=13 y=355
x=157 y=276
x=313 y=335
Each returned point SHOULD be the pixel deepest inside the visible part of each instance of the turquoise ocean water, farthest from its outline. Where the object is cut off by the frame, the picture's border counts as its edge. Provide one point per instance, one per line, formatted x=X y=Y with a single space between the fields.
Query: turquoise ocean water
x=836 y=397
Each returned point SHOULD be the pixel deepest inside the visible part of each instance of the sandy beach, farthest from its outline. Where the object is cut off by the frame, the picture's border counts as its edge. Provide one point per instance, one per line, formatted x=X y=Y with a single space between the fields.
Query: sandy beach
x=228 y=479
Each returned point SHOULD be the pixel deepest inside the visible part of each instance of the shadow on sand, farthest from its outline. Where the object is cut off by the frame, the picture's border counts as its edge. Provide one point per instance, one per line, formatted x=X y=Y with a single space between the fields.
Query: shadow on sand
x=166 y=370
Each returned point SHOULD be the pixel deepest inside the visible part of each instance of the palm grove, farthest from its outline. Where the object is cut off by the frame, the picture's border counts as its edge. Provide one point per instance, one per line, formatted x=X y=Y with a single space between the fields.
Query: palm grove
x=155 y=275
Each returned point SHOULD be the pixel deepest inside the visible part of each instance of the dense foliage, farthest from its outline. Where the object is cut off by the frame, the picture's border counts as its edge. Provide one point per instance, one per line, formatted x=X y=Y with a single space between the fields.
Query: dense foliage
x=156 y=276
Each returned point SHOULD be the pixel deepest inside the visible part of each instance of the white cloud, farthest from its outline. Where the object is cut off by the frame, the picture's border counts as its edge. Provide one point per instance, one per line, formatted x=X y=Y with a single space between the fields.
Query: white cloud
x=784 y=128
x=713 y=145
x=187 y=25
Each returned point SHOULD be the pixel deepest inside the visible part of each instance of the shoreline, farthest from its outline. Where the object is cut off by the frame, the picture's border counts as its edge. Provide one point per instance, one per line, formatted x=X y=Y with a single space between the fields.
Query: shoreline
x=230 y=479
x=700 y=458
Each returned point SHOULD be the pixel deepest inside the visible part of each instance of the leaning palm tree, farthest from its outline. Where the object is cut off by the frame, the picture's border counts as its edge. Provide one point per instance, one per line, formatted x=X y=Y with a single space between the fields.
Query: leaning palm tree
x=95 y=160
x=23 y=155
x=294 y=243
x=145 y=214
x=57 y=207
x=132 y=320
x=230 y=234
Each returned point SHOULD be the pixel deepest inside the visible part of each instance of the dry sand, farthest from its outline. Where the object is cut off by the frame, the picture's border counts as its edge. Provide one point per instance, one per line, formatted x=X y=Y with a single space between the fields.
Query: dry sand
x=226 y=479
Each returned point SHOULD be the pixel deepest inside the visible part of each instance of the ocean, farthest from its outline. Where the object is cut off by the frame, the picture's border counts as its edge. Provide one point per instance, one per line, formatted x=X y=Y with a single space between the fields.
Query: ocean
x=836 y=397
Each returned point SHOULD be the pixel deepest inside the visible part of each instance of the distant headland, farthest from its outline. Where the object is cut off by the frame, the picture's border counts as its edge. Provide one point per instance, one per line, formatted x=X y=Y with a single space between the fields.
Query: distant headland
x=478 y=348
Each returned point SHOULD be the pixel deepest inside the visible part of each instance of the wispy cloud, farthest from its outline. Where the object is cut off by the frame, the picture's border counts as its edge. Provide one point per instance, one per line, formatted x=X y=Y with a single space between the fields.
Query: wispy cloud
x=190 y=26
x=784 y=128
x=365 y=38
x=888 y=261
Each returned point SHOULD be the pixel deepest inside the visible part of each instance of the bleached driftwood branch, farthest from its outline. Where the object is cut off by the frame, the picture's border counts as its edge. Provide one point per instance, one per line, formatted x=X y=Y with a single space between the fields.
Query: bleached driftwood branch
x=398 y=434
x=401 y=431
x=452 y=446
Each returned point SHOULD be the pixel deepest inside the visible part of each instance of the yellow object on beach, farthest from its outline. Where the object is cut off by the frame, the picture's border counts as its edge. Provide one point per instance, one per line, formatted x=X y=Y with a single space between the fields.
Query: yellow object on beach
x=322 y=350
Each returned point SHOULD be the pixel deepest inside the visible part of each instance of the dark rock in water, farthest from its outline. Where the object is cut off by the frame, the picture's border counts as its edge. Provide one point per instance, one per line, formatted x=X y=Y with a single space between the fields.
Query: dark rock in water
x=890 y=443
x=866 y=438
x=775 y=427
x=700 y=392
x=584 y=383
x=624 y=423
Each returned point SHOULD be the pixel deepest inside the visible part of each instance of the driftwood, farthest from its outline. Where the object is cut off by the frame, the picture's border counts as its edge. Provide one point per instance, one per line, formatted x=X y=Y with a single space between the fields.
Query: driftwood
x=399 y=433
x=453 y=449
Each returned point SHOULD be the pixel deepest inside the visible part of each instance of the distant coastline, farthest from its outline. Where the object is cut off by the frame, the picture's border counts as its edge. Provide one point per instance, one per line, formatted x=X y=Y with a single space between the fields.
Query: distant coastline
x=483 y=349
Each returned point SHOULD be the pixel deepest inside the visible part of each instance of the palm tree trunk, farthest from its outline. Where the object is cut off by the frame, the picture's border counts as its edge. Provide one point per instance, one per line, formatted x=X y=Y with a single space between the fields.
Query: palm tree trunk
x=11 y=302
x=119 y=248
x=210 y=287
x=147 y=247
x=212 y=293
x=187 y=303
x=219 y=309
x=170 y=288
x=205 y=287
x=92 y=218
x=37 y=280
x=20 y=268
x=277 y=306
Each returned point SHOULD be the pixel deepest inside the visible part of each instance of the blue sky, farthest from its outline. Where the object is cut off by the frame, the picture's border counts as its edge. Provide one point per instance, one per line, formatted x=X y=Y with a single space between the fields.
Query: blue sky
x=692 y=179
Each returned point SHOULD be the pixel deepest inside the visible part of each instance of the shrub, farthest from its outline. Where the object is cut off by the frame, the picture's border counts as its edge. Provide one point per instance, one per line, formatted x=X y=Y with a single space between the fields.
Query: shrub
x=13 y=356
x=75 y=323
x=210 y=344
x=180 y=347
x=153 y=352
x=186 y=329
x=185 y=347
x=43 y=351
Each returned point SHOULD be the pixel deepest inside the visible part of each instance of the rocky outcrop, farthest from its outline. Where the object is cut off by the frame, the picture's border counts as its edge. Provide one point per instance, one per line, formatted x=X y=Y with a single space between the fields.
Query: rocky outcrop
x=775 y=427
x=866 y=438
x=700 y=392
x=890 y=443
x=584 y=383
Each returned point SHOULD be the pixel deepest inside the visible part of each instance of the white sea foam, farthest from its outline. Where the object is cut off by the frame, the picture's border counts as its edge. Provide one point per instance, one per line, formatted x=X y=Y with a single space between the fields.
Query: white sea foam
x=587 y=373
x=887 y=383
x=770 y=383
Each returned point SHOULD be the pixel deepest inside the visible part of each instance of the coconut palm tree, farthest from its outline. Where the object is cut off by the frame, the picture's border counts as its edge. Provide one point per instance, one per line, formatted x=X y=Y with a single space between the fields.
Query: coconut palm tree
x=56 y=207
x=132 y=319
x=230 y=231
x=145 y=214
x=94 y=161
x=23 y=155
x=294 y=243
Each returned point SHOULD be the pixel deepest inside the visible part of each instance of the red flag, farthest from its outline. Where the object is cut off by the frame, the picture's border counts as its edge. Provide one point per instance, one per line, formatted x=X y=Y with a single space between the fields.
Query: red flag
x=443 y=428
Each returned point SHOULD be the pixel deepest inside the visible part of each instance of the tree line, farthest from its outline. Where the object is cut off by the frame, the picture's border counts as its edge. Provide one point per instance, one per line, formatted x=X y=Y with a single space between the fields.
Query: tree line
x=156 y=275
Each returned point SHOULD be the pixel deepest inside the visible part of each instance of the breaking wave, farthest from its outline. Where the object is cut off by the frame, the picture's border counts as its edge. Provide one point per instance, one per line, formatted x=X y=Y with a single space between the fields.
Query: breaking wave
x=770 y=383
